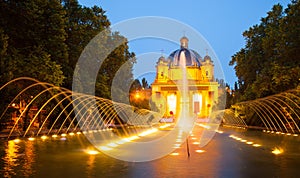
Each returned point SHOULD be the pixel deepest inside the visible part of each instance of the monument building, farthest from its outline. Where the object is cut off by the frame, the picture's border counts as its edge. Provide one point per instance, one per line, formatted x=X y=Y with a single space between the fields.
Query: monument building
x=185 y=81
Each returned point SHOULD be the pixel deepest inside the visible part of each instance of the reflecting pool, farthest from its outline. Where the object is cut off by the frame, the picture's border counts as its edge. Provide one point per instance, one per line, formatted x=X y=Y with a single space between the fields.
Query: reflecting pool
x=231 y=153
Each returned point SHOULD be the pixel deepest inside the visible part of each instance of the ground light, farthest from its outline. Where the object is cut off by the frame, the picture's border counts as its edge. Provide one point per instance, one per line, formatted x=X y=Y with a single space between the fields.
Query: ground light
x=178 y=140
x=177 y=145
x=92 y=152
x=244 y=141
x=112 y=145
x=256 y=145
x=116 y=143
x=164 y=126
x=105 y=148
x=277 y=151
x=219 y=131
x=200 y=151
x=204 y=126
x=148 y=132
x=174 y=154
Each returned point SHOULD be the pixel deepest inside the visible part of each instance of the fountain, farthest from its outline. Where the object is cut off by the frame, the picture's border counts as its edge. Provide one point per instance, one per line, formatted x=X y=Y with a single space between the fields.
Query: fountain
x=124 y=132
x=185 y=121
x=58 y=101
x=52 y=111
x=229 y=119
x=278 y=113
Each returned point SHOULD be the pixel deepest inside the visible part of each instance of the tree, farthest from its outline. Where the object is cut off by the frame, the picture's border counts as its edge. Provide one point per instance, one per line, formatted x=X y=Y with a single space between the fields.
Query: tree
x=145 y=83
x=268 y=64
x=53 y=31
x=3 y=53
x=136 y=85
x=83 y=24
x=44 y=39
x=33 y=29
x=120 y=61
x=289 y=43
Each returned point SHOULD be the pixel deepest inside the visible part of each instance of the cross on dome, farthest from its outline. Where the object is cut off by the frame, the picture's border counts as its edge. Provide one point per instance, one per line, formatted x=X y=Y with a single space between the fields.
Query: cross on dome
x=184 y=41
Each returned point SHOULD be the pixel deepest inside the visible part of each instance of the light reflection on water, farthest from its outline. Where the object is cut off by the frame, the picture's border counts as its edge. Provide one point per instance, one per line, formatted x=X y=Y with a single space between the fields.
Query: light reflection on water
x=29 y=159
x=90 y=166
x=19 y=157
x=10 y=158
x=223 y=157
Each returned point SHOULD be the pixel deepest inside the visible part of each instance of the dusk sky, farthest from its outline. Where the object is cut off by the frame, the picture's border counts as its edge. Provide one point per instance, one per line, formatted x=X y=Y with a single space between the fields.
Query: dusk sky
x=220 y=22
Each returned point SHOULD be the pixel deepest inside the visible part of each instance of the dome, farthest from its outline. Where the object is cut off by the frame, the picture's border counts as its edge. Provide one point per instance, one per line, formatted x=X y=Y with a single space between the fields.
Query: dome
x=191 y=57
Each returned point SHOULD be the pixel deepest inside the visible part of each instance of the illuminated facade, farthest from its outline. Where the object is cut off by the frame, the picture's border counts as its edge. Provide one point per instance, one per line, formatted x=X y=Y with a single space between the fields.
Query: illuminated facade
x=185 y=80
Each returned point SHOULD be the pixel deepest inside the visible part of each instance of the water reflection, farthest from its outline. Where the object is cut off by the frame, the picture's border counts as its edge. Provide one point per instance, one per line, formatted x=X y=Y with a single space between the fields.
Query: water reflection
x=222 y=157
x=90 y=166
x=10 y=158
x=29 y=158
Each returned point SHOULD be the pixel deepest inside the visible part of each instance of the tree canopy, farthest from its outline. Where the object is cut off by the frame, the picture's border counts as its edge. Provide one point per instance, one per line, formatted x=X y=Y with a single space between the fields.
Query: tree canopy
x=269 y=63
x=44 y=39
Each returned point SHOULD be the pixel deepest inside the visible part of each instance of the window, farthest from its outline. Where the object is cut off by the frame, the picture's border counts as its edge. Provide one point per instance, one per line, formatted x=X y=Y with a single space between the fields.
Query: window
x=197 y=103
x=171 y=100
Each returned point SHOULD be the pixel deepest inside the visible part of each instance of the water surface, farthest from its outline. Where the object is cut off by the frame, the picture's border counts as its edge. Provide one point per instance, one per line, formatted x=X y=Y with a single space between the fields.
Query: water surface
x=222 y=157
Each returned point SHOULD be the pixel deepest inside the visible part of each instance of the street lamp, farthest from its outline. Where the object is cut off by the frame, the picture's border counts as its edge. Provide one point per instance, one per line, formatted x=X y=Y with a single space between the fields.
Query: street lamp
x=137 y=95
